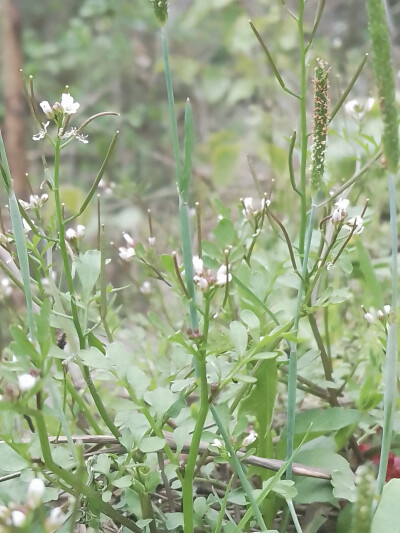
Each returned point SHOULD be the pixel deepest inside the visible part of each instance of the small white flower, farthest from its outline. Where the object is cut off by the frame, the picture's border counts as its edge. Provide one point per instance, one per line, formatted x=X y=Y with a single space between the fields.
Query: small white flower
x=217 y=443
x=198 y=265
x=145 y=287
x=26 y=382
x=17 y=518
x=369 y=317
x=249 y=207
x=223 y=276
x=380 y=314
x=152 y=241
x=80 y=231
x=356 y=223
x=42 y=132
x=35 y=492
x=70 y=234
x=128 y=239
x=251 y=437
x=35 y=201
x=55 y=519
x=387 y=308
x=340 y=211
x=126 y=254
x=358 y=110
x=201 y=282
x=6 y=287
x=47 y=109
x=68 y=105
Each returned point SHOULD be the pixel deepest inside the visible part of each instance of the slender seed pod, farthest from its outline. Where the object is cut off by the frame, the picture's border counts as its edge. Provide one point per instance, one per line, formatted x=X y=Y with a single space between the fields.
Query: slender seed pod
x=378 y=30
x=160 y=10
x=321 y=121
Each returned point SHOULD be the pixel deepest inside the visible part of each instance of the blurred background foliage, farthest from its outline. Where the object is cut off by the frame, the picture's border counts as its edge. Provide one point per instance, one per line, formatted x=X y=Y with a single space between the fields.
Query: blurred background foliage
x=109 y=53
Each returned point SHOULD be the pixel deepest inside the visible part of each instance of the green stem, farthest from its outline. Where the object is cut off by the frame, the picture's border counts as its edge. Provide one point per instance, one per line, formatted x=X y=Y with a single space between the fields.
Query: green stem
x=292 y=370
x=201 y=372
x=67 y=270
x=390 y=372
x=303 y=129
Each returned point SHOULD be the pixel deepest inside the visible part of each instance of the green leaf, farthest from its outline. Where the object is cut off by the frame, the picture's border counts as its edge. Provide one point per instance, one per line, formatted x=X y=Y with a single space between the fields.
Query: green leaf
x=225 y=233
x=173 y=521
x=88 y=268
x=151 y=444
x=123 y=482
x=11 y=461
x=326 y=420
x=138 y=380
x=93 y=358
x=160 y=399
x=239 y=337
x=22 y=346
x=387 y=516
x=253 y=323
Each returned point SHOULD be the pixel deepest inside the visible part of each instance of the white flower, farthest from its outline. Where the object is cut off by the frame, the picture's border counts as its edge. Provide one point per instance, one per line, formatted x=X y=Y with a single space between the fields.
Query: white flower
x=386 y=308
x=35 y=492
x=55 y=519
x=145 y=287
x=249 y=207
x=217 y=443
x=73 y=132
x=35 y=201
x=26 y=382
x=80 y=231
x=369 y=317
x=126 y=254
x=198 y=265
x=340 y=211
x=47 y=109
x=380 y=314
x=356 y=223
x=70 y=234
x=201 y=282
x=128 y=239
x=358 y=110
x=152 y=241
x=42 y=132
x=223 y=276
x=251 y=437
x=68 y=105
x=18 y=518
x=6 y=287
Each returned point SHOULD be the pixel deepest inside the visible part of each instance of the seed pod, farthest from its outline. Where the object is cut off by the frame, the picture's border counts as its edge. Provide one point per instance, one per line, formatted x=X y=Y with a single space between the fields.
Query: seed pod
x=321 y=121
x=378 y=30
x=160 y=10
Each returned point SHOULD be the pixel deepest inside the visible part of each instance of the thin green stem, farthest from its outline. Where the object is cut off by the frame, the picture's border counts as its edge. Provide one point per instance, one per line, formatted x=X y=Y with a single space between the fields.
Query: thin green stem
x=74 y=309
x=187 y=483
x=390 y=371
x=292 y=370
x=303 y=129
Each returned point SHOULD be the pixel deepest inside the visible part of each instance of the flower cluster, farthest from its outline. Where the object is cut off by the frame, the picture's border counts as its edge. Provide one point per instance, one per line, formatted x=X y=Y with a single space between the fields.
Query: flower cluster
x=358 y=110
x=73 y=235
x=60 y=113
x=371 y=316
x=204 y=278
x=249 y=208
x=339 y=214
x=35 y=201
x=17 y=517
x=127 y=253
